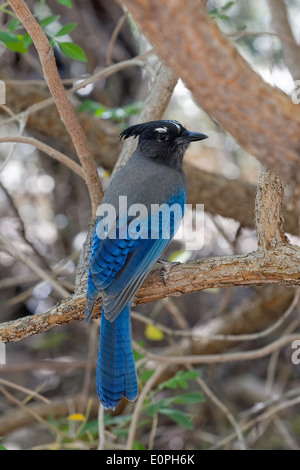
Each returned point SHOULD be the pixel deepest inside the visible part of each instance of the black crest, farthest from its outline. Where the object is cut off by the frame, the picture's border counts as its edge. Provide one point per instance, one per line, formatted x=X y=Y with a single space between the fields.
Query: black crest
x=147 y=130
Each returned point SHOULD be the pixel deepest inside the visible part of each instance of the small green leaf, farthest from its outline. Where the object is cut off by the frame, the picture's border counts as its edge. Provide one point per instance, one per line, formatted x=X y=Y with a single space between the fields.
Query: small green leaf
x=155 y=408
x=146 y=375
x=48 y=20
x=178 y=416
x=90 y=427
x=66 y=29
x=49 y=341
x=191 y=397
x=91 y=106
x=223 y=17
x=133 y=108
x=72 y=50
x=66 y=3
x=26 y=40
x=137 y=445
x=227 y=6
x=136 y=354
x=12 y=41
x=13 y=24
x=179 y=380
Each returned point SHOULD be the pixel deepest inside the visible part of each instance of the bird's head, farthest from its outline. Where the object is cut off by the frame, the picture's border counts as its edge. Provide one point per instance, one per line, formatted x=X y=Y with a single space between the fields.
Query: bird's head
x=165 y=141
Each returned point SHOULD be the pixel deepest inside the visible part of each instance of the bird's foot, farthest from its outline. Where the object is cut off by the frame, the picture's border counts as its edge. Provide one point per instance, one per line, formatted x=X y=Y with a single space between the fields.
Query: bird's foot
x=167 y=265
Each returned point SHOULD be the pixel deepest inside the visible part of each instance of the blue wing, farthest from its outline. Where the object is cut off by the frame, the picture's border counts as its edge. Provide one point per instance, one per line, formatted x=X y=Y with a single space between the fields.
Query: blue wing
x=118 y=266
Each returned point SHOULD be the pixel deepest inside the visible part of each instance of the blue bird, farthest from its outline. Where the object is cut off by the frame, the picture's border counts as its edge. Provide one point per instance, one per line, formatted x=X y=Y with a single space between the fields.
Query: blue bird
x=125 y=245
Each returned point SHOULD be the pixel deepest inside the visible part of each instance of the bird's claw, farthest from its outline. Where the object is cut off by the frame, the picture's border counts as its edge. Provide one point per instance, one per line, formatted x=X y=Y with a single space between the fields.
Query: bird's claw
x=166 y=268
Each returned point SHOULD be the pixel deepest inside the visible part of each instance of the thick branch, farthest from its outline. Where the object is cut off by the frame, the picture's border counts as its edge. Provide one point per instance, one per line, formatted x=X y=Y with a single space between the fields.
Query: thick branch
x=269 y=225
x=281 y=267
x=61 y=100
x=261 y=118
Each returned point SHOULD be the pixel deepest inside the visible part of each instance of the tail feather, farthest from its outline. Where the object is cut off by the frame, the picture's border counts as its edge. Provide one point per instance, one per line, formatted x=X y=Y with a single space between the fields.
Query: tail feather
x=116 y=373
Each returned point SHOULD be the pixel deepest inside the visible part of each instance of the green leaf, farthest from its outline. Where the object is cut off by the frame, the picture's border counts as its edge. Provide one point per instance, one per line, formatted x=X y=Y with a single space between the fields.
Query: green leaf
x=223 y=17
x=191 y=397
x=72 y=50
x=27 y=40
x=133 y=108
x=155 y=408
x=48 y=341
x=66 y=29
x=178 y=417
x=12 y=41
x=121 y=420
x=179 y=380
x=90 y=427
x=13 y=24
x=136 y=354
x=48 y=20
x=227 y=6
x=66 y=3
x=145 y=376
x=91 y=106
x=137 y=445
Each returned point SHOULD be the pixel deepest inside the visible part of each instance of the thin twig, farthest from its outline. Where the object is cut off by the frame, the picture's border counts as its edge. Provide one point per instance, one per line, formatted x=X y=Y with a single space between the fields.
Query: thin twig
x=137 y=409
x=222 y=358
x=114 y=37
x=208 y=392
x=26 y=390
x=22 y=118
x=246 y=337
x=138 y=60
x=101 y=428
x=266 y=415
x=34 y=267
x=61 y=100
x=48 y=150
x=29 y=411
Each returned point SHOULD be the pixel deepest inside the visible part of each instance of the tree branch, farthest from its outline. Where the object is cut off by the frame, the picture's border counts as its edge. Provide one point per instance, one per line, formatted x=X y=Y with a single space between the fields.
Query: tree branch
x=62 y=158
x=290 y=49
x=275 y=262
x=61 y=100
x=281 y=267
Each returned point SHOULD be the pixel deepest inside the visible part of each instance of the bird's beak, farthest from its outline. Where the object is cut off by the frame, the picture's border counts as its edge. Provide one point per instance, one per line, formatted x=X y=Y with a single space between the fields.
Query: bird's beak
x=193 y=136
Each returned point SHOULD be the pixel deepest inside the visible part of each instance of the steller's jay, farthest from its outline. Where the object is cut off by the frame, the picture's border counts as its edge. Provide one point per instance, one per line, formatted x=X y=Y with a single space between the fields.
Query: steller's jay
x=124 y=248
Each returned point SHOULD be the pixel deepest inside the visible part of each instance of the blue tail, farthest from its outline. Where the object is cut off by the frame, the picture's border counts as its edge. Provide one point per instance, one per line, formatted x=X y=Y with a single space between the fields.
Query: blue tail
x=116 y=374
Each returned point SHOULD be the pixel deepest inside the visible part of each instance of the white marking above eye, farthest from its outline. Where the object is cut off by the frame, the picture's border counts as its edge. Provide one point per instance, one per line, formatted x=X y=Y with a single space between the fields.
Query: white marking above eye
x=161 y=129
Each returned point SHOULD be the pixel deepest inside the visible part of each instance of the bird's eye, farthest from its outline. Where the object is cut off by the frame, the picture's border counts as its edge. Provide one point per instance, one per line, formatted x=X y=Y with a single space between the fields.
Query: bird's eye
x=162 y=136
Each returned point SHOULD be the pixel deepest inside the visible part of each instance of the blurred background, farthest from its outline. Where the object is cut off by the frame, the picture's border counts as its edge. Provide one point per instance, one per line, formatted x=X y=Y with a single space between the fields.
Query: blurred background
x=45 y=211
